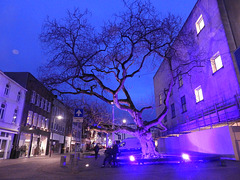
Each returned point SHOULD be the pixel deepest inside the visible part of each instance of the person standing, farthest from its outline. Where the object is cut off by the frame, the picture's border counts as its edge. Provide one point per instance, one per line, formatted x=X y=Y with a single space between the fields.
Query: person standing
x=96 y=150
x=115 y=152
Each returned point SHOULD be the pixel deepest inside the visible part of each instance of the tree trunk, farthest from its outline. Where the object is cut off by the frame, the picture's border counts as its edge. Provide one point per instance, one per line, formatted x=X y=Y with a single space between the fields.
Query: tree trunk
x=148 y=147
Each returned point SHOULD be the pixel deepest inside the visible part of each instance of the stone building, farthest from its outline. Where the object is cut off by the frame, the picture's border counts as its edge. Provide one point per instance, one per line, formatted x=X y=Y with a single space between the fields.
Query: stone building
x=12 y=97
x=206 y=97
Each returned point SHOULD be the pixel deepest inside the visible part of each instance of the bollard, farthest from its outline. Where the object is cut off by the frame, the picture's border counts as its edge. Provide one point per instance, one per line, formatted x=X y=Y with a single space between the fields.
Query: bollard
x=63 y=161
x=71 y=158
x=75 y=165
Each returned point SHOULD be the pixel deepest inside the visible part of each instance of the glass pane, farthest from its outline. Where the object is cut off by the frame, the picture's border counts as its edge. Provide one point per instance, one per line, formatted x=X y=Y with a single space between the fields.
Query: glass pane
x=218 y=62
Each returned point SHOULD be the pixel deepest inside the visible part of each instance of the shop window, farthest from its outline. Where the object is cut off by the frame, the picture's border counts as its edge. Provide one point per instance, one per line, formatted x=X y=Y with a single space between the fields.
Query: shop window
x=29 y=118
x=173 y=110
x=2 y=111
x=184 y=106
x=199 y=24
x=198 y=94
x=7 y=89
x=15 y=116
x=216 y=62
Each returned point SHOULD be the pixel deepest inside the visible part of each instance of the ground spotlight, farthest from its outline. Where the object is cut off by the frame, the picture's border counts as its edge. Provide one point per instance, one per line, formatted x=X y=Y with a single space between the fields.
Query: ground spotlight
x=132 y=158
x=185 y=157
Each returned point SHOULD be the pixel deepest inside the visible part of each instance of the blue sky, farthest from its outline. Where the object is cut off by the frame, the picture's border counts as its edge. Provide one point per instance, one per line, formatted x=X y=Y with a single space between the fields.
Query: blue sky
x=21 y=22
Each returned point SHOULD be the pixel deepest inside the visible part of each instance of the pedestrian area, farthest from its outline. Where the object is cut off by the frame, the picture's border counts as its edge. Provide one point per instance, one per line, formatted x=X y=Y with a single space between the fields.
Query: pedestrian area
x=90 y=169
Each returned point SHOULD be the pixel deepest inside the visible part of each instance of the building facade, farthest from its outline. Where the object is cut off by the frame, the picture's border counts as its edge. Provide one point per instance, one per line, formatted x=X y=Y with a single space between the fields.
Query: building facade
x=34 y=133
x=12 y=97
x=207 y=95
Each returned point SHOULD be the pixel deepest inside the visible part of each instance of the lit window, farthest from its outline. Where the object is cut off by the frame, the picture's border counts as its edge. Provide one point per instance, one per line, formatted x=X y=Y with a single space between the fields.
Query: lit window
x=180 y=80
x=216 y=62
x=200 y=24
x=184 y=106
x=18 y=96
x=160 y=99
x=2 y=111
x=29 y=118
x=39 y=122
x=198 y=94
x=7 y=88
x=173 y=110
x=35 y=119
x=47 y=123
x=15 y=116
x=33 y=97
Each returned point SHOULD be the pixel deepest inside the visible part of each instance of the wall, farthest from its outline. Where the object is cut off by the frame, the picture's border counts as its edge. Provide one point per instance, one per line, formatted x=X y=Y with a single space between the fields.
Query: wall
x=213 y=141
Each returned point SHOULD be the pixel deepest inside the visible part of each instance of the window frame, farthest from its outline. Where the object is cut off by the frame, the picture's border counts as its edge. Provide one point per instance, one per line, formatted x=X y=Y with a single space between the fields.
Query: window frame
x=198 y=94
x=198 y=24
x=160 y=99
x=180 y=80
x=214 y=65
x=184 y=104
x=2 y=111
x=7 y=89
x=173 y=110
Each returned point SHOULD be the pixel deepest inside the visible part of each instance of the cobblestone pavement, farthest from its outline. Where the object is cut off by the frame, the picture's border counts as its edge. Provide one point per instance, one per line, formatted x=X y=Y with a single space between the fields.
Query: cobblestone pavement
x=49 y=168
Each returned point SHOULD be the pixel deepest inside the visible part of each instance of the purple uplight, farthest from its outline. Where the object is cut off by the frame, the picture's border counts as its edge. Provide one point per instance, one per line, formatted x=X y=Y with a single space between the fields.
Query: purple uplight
x=132 y=158
x=185 y=157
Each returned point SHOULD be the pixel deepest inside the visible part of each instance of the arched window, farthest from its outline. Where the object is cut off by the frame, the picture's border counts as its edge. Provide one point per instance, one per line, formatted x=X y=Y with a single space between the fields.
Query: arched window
x=2 y=111
x=7 y=88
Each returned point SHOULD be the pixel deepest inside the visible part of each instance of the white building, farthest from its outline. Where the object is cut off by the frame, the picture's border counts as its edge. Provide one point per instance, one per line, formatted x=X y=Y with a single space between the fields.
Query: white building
x=12 y=97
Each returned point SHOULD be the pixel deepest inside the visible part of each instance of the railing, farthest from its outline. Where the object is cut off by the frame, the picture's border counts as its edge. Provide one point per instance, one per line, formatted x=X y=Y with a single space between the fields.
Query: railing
x=224 y=112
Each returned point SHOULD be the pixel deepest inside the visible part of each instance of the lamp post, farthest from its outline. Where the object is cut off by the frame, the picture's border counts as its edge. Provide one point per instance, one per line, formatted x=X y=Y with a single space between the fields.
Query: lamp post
x=58 y=117
x=112 y=121
x=124 y=123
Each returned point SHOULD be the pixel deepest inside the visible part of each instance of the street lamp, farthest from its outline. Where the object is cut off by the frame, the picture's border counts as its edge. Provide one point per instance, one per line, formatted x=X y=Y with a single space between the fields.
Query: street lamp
x=124 y=123
x=59 y=118
x=112 y=121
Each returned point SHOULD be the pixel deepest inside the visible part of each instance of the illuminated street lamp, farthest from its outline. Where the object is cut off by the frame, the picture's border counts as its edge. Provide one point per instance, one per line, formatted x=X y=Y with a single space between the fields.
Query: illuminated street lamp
x=124 y=121
x=59 y=118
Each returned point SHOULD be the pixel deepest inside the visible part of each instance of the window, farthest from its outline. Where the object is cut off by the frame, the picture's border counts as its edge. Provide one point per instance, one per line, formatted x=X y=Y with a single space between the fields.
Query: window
x=216 y=62
x=47 y=123
x=160 y=99
x=173 y=110
x=38 y=100
x=42 y=103
x=184 y=106
x=46 y=105
x=33 y=97
x=199 y=24
x=43 y=122
x=35 y=119
x=2 y=111
x=18 y=96
x=49 y=106
x=15 y=116
x=180 y=80
x=7 y=88
x=39 y=122
x=198 y=94
x=29 y=118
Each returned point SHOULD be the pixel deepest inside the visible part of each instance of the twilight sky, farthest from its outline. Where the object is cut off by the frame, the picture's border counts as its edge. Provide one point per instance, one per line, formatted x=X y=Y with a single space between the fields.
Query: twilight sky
x=21 y=21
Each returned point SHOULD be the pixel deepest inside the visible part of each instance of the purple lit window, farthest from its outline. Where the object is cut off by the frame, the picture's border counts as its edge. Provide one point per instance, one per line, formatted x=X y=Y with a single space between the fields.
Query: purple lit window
x=2 y=111
x=180 y=80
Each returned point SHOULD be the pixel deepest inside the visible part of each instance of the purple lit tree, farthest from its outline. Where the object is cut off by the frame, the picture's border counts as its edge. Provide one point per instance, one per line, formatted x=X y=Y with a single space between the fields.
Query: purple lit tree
x=99 y=64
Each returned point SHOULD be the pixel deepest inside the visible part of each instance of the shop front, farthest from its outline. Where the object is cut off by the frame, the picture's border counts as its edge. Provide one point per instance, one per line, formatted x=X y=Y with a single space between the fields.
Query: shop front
x=6 y=138
x=32 y=144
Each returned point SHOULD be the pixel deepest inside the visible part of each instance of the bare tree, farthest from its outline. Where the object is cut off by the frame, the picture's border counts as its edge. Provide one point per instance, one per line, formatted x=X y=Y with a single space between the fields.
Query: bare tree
x=100 y=64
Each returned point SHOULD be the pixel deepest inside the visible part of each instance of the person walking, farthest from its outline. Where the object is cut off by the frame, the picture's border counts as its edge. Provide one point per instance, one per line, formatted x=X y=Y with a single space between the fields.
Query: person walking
x=115 y=152
x=96 y=150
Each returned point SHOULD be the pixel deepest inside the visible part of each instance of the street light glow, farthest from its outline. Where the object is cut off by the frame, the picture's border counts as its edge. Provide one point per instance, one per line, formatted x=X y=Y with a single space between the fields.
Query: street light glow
x=59 y=117
x=124 y=121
